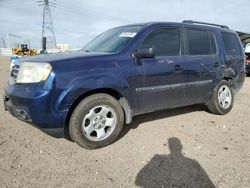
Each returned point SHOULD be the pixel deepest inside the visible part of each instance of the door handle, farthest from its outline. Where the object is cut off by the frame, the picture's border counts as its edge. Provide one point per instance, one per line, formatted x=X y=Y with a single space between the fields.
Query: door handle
x=178 y=68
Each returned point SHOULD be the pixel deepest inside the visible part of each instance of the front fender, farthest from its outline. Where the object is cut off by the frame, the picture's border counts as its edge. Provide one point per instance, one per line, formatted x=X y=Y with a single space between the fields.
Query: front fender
x=83 y=84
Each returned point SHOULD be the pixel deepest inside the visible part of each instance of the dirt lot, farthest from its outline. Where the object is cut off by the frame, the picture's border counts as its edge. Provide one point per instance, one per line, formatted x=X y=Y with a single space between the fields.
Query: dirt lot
x=185 y=147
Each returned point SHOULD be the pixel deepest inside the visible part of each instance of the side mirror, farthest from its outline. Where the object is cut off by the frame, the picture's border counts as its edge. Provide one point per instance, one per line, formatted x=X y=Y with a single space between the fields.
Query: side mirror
x=145 y=52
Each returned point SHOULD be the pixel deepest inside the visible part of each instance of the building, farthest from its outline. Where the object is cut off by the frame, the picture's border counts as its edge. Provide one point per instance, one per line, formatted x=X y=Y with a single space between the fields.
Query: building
x=62 y=47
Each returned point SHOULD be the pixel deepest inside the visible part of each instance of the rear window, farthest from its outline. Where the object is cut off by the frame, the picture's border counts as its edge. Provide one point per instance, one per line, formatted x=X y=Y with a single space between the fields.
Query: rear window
x=231 y=44
x=200 y=42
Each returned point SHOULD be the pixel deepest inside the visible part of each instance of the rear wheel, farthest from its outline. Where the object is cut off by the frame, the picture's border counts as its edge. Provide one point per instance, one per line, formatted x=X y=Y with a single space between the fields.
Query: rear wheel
x=96 y=122
x=222 y=101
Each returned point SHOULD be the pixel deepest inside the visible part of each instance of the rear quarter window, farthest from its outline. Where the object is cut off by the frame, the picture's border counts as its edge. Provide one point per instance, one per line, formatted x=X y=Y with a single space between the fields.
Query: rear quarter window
x=232 y=45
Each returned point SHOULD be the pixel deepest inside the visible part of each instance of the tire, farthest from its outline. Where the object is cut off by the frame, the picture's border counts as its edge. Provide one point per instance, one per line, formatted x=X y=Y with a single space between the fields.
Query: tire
x=222 y=92
x=20 y=54
x=96 y=122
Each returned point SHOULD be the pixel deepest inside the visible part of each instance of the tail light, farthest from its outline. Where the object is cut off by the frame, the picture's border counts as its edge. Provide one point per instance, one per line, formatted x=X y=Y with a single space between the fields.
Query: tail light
x=248 y=60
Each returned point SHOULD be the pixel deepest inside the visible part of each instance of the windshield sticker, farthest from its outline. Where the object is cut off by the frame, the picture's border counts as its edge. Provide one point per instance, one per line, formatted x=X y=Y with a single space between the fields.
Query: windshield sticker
x=128 y=34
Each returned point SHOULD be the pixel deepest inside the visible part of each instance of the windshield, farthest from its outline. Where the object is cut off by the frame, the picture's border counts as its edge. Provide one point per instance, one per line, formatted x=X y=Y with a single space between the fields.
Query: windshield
x=114 y=40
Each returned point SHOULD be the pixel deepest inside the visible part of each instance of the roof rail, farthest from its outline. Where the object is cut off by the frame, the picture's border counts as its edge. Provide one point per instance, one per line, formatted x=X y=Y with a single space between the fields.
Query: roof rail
x=204 y=23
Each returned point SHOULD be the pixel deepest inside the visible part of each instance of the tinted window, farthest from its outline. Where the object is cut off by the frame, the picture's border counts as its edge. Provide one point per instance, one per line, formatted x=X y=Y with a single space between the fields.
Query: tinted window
x=212 y=43
x=200 y=42
x=166 y=41
x=231 y=44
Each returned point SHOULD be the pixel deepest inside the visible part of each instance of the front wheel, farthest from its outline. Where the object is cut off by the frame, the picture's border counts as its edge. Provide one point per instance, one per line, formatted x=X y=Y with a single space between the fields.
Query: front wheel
x=222 y=100
x=96 y=122
x=20 y=54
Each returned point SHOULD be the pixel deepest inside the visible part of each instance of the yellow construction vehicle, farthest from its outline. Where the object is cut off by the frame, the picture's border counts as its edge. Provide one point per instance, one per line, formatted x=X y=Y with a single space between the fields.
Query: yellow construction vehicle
x=23 y=50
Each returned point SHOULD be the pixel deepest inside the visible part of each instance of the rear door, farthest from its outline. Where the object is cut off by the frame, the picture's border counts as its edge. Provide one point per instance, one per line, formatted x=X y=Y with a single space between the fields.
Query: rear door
x=164 y=75
x=202 y=59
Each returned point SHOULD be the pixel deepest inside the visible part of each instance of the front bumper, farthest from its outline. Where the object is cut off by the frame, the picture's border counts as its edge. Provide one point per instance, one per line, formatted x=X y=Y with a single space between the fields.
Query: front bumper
x=33 y=105
x=19 y=113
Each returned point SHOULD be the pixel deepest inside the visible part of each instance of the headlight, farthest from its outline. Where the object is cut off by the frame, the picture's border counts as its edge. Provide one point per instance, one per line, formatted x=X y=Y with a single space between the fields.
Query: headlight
x=33 y=72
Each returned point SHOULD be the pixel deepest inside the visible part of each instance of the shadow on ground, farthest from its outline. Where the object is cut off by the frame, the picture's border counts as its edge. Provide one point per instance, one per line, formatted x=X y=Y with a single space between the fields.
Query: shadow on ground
x=173 y=170
x=137 y=120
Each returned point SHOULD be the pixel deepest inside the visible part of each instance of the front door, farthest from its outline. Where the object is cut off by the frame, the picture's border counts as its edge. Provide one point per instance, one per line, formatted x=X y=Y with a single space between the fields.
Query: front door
x=164 y=75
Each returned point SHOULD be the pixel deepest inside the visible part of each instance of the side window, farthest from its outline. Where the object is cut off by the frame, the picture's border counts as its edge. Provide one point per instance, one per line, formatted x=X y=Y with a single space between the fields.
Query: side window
x=200 y=42
x=166 y=41
x=231 y=44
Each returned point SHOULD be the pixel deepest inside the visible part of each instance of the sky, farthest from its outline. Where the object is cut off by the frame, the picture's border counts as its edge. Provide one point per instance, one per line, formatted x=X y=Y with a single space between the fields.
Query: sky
x=76 y=22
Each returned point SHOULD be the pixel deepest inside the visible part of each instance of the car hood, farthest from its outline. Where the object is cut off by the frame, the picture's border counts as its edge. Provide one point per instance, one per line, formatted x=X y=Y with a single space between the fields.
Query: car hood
x=63 y=56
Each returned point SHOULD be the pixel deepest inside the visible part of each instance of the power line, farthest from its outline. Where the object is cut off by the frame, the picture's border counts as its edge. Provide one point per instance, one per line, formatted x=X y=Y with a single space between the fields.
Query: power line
x=9 y=36
x=12 y=35
x=86 y=12
x=91 y=12
x=82 y=13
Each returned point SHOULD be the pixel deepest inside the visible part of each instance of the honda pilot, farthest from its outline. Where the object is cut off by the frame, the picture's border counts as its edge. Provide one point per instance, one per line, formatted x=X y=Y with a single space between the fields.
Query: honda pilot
x=129 y=70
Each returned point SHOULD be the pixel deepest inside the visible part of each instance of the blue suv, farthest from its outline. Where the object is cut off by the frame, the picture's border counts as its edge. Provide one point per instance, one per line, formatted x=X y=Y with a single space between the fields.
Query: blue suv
x=126 y=71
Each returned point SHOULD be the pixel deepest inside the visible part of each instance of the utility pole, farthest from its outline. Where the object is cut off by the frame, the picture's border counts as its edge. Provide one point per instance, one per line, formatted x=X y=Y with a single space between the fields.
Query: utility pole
x=3 y=44
x=47 y=27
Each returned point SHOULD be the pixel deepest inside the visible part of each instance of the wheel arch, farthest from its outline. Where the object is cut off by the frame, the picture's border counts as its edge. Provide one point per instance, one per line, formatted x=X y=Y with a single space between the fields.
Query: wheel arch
x=223 y=74
x=117 y=95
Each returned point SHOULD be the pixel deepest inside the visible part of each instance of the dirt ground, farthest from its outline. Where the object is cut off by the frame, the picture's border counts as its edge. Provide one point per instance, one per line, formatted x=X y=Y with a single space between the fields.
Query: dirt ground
x=184 y=147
